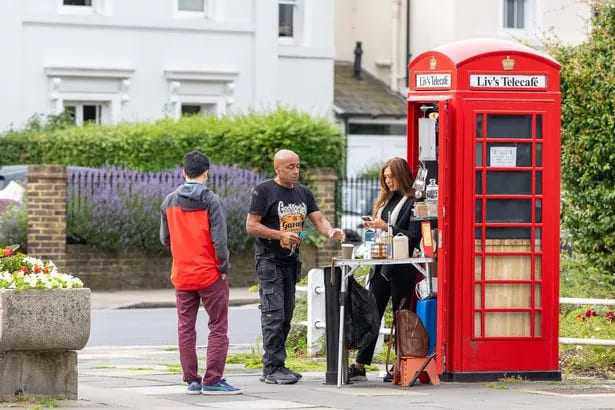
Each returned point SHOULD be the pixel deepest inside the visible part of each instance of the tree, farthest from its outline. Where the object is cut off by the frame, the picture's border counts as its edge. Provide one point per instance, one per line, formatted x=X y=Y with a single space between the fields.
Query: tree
x=588 y=141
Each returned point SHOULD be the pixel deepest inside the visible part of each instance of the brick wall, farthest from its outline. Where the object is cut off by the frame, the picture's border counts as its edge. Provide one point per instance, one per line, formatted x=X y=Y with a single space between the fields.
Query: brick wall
x=108 y=271
x=47 y=197
x=46 y=190
x=133 y=270
x=322 y=182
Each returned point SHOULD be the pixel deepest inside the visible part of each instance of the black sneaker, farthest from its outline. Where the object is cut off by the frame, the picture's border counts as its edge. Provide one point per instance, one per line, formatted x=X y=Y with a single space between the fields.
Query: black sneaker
x=266 y=371
x=279 y=377
x=286 y=370
x=356 y=373
x=388 y=378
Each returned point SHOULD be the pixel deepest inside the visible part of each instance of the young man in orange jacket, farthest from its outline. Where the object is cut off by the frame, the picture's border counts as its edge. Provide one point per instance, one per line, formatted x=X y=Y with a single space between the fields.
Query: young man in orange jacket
x=193 y=225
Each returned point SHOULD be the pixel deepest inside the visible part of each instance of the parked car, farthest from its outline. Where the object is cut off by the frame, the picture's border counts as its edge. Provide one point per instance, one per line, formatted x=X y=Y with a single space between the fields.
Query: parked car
x=17 y=173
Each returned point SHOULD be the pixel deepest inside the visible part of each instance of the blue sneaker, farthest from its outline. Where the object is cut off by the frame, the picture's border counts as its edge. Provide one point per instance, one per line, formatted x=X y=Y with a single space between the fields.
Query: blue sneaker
x=222 y=388
x=194 y=388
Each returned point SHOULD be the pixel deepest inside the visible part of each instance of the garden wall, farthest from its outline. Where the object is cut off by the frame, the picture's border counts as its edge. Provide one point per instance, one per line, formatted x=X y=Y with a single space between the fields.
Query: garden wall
x=100 y=270
x=132 y=270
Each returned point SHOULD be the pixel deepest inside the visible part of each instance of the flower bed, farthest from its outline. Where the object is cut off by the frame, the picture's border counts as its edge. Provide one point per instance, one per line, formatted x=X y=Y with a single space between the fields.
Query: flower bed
x=118 y=210
x=21 y=272
x=44 y=319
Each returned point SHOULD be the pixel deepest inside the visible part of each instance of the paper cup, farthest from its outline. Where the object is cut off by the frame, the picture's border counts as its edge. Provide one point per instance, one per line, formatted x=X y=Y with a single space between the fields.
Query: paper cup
x=347 y=249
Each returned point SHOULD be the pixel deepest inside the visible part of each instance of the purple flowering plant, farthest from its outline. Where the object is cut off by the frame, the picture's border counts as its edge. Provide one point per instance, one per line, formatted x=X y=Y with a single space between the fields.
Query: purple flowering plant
x=116 y=209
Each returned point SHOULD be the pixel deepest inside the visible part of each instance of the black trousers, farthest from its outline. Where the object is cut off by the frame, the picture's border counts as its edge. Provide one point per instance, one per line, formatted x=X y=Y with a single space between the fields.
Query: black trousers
x=277 y=296
x=398 y=284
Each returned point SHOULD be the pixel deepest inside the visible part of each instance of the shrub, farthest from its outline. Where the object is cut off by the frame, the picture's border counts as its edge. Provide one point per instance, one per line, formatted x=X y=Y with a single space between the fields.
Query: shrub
x=114 y=209
x=588 y=146
x=14 y=224
x=580 y=279
x=6 y=204
x=248 y=141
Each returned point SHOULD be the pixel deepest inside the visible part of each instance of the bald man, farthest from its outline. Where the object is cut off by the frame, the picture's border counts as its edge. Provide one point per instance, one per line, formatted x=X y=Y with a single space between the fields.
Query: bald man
x=276 y=218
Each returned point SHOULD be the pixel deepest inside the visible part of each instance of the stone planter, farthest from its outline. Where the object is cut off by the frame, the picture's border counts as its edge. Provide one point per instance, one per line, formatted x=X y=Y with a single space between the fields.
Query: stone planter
x=40 y=331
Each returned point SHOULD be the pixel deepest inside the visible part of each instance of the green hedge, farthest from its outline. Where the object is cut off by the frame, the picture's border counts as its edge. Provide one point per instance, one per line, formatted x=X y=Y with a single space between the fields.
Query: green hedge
x=248 y=141
x=588 y=142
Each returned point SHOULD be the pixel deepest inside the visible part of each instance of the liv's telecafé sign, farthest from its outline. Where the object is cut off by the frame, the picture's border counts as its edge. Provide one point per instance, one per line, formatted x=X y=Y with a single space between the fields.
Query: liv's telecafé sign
x=505 y=81
x=433 y=80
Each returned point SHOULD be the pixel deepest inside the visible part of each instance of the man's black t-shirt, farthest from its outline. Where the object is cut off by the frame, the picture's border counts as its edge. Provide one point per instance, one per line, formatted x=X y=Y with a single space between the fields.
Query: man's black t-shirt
x=283 y=209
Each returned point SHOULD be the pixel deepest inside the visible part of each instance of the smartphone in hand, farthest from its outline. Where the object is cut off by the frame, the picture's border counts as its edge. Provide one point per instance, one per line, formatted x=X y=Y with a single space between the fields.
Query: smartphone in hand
x=367 y=218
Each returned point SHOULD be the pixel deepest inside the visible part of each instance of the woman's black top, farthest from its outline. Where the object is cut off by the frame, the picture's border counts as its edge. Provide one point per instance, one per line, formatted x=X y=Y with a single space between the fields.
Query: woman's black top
x=404 y=225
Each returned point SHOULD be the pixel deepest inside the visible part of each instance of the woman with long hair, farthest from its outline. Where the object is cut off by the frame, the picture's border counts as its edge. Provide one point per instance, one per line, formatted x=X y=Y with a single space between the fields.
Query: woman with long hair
x=397 y=282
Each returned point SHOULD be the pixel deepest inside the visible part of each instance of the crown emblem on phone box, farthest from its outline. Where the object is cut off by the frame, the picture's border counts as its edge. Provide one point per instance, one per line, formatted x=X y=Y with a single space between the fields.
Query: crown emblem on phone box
x=508 y=63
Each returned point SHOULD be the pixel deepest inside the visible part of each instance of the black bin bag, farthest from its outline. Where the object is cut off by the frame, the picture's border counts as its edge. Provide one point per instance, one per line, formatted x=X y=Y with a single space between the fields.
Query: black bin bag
x=361 y=321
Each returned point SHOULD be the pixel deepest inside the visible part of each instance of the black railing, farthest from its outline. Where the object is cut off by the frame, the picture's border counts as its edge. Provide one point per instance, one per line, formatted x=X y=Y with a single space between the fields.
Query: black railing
x=355 y=198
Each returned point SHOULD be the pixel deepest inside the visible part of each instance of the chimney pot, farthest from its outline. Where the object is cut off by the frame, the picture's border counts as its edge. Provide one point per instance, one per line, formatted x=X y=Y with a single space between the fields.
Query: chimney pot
x=358 y=52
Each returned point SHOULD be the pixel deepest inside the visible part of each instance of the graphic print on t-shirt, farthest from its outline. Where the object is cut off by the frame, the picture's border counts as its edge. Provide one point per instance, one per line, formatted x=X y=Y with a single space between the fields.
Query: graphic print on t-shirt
x=291 y=217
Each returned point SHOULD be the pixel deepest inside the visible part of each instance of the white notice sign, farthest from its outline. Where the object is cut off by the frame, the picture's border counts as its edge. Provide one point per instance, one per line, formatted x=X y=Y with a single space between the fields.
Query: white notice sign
x=505 y=81
x=433 y=80
x=503 y=157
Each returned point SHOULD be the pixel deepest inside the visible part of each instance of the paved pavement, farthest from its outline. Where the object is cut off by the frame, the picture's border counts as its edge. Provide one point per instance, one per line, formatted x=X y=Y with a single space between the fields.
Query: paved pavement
x=137 y=377
x=147 y=378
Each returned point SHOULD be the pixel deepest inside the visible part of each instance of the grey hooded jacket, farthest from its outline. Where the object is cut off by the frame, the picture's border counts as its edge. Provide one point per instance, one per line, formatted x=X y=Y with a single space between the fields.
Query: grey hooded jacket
x=195 y=197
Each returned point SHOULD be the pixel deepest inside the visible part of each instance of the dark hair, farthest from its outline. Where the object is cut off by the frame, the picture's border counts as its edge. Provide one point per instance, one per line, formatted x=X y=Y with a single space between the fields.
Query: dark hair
x=195 y=164
x=402 y=174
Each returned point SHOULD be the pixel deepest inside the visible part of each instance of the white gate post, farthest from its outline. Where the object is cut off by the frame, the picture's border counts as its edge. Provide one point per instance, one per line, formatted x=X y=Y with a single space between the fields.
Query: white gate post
x=315 y=311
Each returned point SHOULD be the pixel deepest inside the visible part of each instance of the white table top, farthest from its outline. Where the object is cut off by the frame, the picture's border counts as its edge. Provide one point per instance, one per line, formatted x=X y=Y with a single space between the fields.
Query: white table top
x=363 y=262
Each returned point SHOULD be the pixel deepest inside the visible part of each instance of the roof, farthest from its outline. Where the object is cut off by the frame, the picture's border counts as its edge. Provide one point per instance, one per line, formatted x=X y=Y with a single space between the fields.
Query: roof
x=464 y=50
x=366 y=97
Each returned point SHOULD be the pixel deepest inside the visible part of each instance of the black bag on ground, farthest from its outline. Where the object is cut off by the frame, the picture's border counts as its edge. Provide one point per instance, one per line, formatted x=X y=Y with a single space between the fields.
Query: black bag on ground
x=361 y=320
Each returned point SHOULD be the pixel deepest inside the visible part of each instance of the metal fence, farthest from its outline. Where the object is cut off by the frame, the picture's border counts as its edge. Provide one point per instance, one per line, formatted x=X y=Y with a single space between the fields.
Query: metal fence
x=355 y=197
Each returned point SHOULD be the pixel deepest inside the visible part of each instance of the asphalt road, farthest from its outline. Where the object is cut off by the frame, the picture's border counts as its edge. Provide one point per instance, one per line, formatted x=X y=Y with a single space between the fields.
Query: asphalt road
x=157 y=327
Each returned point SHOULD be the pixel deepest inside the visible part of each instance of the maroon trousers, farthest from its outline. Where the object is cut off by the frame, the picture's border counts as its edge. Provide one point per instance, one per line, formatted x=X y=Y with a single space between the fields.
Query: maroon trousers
x=215 y=300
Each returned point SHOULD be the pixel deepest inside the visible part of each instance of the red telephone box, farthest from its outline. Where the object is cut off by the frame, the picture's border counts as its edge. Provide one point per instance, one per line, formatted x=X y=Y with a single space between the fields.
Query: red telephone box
x=484 y=120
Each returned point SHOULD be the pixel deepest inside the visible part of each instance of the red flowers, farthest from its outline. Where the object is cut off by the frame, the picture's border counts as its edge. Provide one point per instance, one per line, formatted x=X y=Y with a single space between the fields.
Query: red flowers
x=7 y=252
x=589 y=313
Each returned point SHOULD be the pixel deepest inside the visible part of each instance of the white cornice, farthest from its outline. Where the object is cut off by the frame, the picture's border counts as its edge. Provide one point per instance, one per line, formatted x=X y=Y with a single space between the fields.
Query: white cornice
x=177 y=25
x=221 y=75
x=82 y=71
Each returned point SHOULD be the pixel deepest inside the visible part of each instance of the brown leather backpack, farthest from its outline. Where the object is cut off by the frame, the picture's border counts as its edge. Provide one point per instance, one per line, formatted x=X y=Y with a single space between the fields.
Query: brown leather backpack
x=412 y=339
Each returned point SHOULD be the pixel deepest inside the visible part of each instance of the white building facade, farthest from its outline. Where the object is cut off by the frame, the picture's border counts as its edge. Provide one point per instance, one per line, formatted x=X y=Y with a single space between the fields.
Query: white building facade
x=109 y=61
x=387 y=39
x=388 y=43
